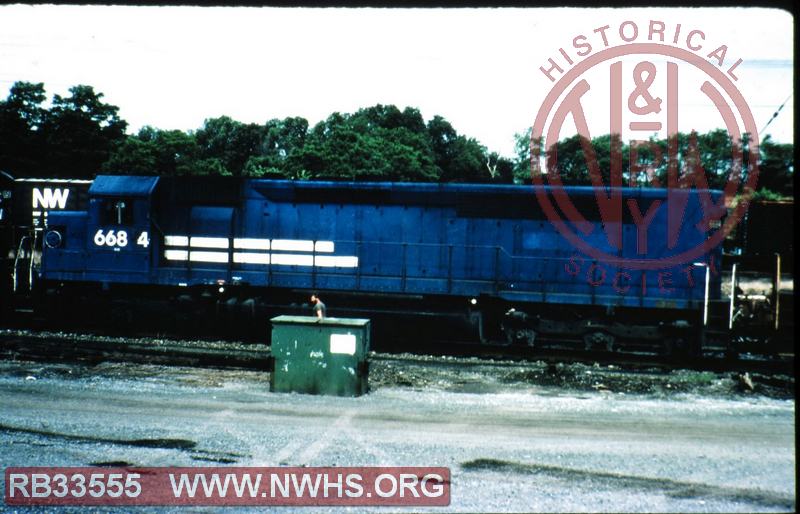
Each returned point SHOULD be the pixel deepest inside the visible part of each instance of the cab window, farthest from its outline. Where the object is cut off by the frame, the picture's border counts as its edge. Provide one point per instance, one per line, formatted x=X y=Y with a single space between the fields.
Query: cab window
x=117 y=211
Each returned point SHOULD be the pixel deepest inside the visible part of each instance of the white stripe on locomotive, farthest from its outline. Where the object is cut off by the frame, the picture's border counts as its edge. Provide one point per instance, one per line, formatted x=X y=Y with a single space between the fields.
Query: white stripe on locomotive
x=279 y=259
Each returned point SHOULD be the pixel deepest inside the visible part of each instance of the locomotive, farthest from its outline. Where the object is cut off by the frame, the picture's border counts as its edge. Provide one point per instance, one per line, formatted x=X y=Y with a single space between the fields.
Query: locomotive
x=25 y=204
x=478 y=261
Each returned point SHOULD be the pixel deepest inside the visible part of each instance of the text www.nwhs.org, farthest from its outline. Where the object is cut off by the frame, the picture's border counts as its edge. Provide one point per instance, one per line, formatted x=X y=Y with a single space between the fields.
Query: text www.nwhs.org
x=386 y=485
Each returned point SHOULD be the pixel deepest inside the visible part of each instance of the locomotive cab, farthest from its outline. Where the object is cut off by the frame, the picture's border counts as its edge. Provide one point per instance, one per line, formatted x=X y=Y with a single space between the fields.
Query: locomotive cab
x=112 y=236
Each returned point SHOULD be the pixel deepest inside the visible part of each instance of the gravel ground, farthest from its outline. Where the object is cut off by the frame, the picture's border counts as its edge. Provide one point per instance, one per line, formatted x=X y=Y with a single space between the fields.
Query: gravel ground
x=474 y=374
x=477 y=375
x=145 y=341
x=517 y=437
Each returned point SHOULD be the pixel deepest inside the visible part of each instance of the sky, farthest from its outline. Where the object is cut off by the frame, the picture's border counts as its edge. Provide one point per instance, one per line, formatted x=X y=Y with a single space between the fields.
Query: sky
x=173 y=67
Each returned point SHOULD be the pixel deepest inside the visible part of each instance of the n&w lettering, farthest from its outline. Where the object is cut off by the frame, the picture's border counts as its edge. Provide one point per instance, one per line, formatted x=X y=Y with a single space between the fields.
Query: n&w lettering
x=50 y=198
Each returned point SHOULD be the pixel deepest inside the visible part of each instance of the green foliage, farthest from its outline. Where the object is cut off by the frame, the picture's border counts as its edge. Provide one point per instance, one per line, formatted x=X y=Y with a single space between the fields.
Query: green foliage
x=776 y=169
x=707 y=160
x=282 y=144
x=460 y=159
x=132 y=155
x=210 y=166
x=377 y=143
x=570 y=159
x=500 y=169
x=229 y=142
x=764 y=194
x=522 y=161
x=71 y=139
x=21 y=137
x=80 y=135
x=154 y=152
x=80 y=131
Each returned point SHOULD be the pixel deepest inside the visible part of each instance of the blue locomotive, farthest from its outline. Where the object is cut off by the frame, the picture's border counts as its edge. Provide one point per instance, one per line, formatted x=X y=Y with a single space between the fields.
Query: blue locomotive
x=484 y=256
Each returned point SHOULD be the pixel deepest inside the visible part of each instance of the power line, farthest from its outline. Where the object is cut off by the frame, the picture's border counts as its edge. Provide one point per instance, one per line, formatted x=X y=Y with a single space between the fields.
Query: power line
x=775 y=114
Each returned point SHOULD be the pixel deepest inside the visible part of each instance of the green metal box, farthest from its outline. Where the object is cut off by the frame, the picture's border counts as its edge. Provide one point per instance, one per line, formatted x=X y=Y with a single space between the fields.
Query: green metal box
x=327 y=356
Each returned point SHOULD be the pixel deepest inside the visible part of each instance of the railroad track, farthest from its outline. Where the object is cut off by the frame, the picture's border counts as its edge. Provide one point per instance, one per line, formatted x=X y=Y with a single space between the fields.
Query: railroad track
x=715 y=361
x=91 y=348
x=94 y=349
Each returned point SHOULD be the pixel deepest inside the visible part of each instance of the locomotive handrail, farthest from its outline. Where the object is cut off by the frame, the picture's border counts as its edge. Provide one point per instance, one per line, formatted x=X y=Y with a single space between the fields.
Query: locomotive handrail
x=33 y=256
x=16 y=262
x=502 y=249
x=493 y=275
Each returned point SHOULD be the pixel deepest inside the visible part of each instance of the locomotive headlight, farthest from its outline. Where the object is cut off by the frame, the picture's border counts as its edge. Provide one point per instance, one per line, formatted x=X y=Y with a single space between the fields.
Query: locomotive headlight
x=53 y=239
x=474 y=301
x=221 y=290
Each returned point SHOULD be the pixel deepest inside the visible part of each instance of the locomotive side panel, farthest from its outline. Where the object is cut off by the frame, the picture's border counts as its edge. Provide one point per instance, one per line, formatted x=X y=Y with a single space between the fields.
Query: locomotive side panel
x=398 y=238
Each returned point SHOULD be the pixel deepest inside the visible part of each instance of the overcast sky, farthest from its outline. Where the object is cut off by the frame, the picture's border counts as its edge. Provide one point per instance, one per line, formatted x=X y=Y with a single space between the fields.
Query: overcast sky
x=173 y=67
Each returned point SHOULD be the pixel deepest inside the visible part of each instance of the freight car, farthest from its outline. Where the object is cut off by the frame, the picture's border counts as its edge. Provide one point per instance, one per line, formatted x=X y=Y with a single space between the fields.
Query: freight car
x=768 y=228
x=476 y=259
x=25 y=204
x=763 y=257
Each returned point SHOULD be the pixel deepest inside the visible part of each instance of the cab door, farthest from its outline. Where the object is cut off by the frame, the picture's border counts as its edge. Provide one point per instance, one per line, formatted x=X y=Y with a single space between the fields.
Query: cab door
x=119 y=238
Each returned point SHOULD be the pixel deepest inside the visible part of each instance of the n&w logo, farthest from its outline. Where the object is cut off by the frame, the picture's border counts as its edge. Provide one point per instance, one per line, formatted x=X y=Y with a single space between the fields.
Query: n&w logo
x=50 y=198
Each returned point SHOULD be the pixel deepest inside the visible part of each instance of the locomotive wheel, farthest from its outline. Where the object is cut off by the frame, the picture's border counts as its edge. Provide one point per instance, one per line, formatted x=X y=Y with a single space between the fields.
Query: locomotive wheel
x=731 y=354
x=527 y=337
x=121 y=316
x=522 y=336
x=678 y=348
x=601 y=339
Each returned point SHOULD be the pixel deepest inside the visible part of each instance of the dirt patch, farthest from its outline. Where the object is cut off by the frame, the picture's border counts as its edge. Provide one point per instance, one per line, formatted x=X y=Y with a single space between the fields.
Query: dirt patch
x=672 y=488
x=472 y=375
x=156 y=443
x=112 y=464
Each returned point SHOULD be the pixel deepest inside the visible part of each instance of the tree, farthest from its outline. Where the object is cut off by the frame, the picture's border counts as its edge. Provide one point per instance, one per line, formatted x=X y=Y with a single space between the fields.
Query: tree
x=380 y=142
x=131 y=156
x=568 y=161
x=713 y=153
x=154 y=151
x=460 y=159
x=522 y=154
x=281 y=147
x=376 y=143
x=501 y=170
x=21 y=138
x=80 y=132
x=229 y=143
x=776 y=168
x=716 y=155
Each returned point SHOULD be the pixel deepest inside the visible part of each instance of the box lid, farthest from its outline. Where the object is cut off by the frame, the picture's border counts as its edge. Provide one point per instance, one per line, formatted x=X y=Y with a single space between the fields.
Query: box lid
x=313 y=320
